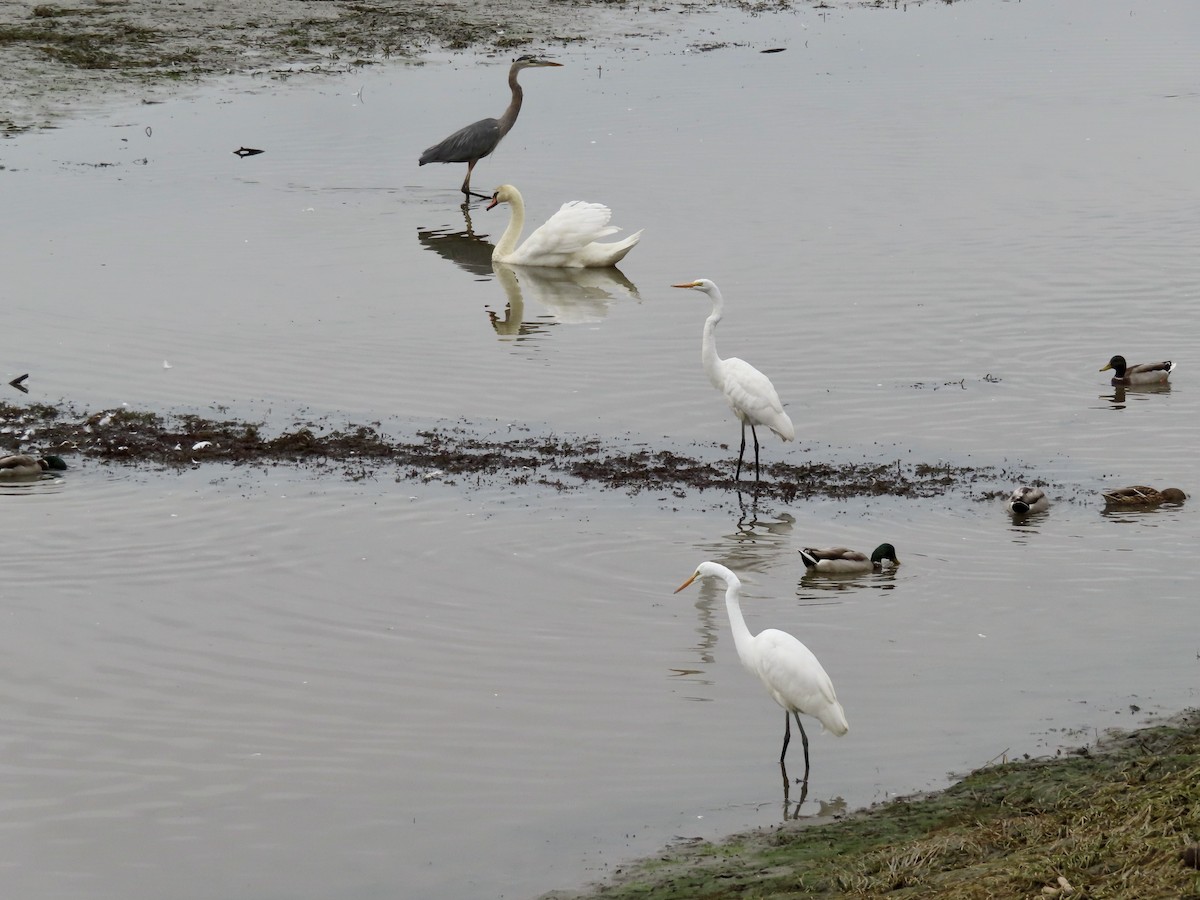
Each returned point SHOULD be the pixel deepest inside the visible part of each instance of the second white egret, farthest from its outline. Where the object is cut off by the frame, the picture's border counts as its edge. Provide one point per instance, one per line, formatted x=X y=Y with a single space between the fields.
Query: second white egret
x=792 y=675
x=748 y=391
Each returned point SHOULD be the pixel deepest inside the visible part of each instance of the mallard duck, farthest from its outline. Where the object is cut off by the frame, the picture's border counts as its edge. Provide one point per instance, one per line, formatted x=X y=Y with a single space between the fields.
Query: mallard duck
x=1140 y=495
x=29 y=466
x=842 y=560
x=1028 y=500
x=1139 y=373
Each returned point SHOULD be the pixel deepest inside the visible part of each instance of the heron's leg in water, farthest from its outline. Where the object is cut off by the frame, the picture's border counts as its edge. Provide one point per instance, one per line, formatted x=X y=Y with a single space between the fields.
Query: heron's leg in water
x=466 y=185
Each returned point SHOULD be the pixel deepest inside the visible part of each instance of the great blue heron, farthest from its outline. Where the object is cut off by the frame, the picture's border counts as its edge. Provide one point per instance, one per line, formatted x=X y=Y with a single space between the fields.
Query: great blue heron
x=748 y=391
x=566 y=241
x=477 y=140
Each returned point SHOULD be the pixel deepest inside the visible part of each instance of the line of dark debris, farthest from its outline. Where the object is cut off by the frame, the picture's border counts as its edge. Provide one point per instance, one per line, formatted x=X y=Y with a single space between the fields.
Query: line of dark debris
x=562 y=463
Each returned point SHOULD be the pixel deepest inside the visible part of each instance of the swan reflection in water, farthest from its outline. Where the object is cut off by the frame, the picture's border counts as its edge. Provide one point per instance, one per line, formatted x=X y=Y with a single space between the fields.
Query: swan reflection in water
x=571 y=296
x=567 y=296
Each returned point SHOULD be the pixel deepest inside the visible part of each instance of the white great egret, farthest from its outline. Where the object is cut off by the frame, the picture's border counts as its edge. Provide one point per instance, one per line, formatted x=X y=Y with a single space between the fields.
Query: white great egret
x=1139 y=373
x=566 y=241
x=473 y=142
x=1028 y=500
x=29 y=466
x=748 y=391
x=843 y=560
x=791 y=673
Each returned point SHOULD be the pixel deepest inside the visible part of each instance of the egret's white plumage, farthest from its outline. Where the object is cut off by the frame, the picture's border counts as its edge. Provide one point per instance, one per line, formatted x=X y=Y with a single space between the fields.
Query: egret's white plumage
x=567 y=240
x=748 y=391
x=790 y=672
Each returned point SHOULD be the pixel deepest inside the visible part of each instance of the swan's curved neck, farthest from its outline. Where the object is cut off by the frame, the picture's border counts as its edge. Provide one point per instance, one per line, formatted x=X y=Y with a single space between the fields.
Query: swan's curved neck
x=708 y=350
x=512 y=234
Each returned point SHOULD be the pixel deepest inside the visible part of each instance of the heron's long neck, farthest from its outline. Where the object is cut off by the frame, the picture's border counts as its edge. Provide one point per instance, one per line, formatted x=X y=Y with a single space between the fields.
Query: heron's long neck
x=512 y=234
x=708 y=349
x=514 y=108
x=741 y=634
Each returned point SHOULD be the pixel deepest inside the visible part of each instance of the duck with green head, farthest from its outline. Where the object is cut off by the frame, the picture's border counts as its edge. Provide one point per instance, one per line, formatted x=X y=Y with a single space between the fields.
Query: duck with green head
x=1139 y=373
x=1025 y=500
x=22 y=466
x=844 y=561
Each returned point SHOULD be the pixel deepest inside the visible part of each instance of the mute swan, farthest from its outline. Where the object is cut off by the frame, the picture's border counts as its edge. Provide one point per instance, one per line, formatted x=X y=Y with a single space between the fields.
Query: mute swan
x=566 y=241
x=792 y=675
x=748 y=391
x=479 y=139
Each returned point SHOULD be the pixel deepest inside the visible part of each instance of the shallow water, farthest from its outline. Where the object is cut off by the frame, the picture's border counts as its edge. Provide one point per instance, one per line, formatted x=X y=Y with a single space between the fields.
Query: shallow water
x=932 y=228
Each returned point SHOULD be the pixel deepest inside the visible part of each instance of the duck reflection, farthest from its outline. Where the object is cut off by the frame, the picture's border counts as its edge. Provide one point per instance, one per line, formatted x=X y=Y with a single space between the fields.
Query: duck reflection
x=572 y=296
x=1118 y=399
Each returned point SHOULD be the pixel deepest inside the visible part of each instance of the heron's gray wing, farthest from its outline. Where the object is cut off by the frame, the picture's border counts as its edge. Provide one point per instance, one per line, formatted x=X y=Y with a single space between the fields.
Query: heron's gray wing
x=475 y=141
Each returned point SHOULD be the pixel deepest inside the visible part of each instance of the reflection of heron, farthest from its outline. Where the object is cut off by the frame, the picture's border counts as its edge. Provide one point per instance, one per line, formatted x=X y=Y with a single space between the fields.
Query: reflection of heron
x=748 y=391
x=790 y=672
x=1028 y=500
x=573 y=296
x=477 y=140
x=566 y=240
x=465 y=249
x=1139 y=373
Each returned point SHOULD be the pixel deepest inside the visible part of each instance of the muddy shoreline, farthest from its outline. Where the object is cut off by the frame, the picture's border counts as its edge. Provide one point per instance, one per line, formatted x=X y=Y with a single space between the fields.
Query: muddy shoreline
x=63 y=59
x=1116 y=819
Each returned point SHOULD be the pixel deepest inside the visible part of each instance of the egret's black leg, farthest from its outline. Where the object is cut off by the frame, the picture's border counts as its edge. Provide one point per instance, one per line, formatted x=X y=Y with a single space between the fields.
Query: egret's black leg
x=741 y=453
x=804 y=738
x=754 y=432
x=787 y=735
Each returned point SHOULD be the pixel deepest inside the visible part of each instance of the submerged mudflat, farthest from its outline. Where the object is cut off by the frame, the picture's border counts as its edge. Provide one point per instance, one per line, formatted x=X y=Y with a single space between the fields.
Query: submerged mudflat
x=460 y=452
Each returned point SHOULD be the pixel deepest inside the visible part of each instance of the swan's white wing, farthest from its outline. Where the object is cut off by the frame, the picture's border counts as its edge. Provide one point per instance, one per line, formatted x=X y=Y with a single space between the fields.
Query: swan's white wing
x=573 y=227
x=750 y=394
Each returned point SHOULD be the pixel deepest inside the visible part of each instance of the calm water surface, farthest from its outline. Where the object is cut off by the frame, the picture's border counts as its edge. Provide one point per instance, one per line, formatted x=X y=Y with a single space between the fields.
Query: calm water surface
x=932 y=228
